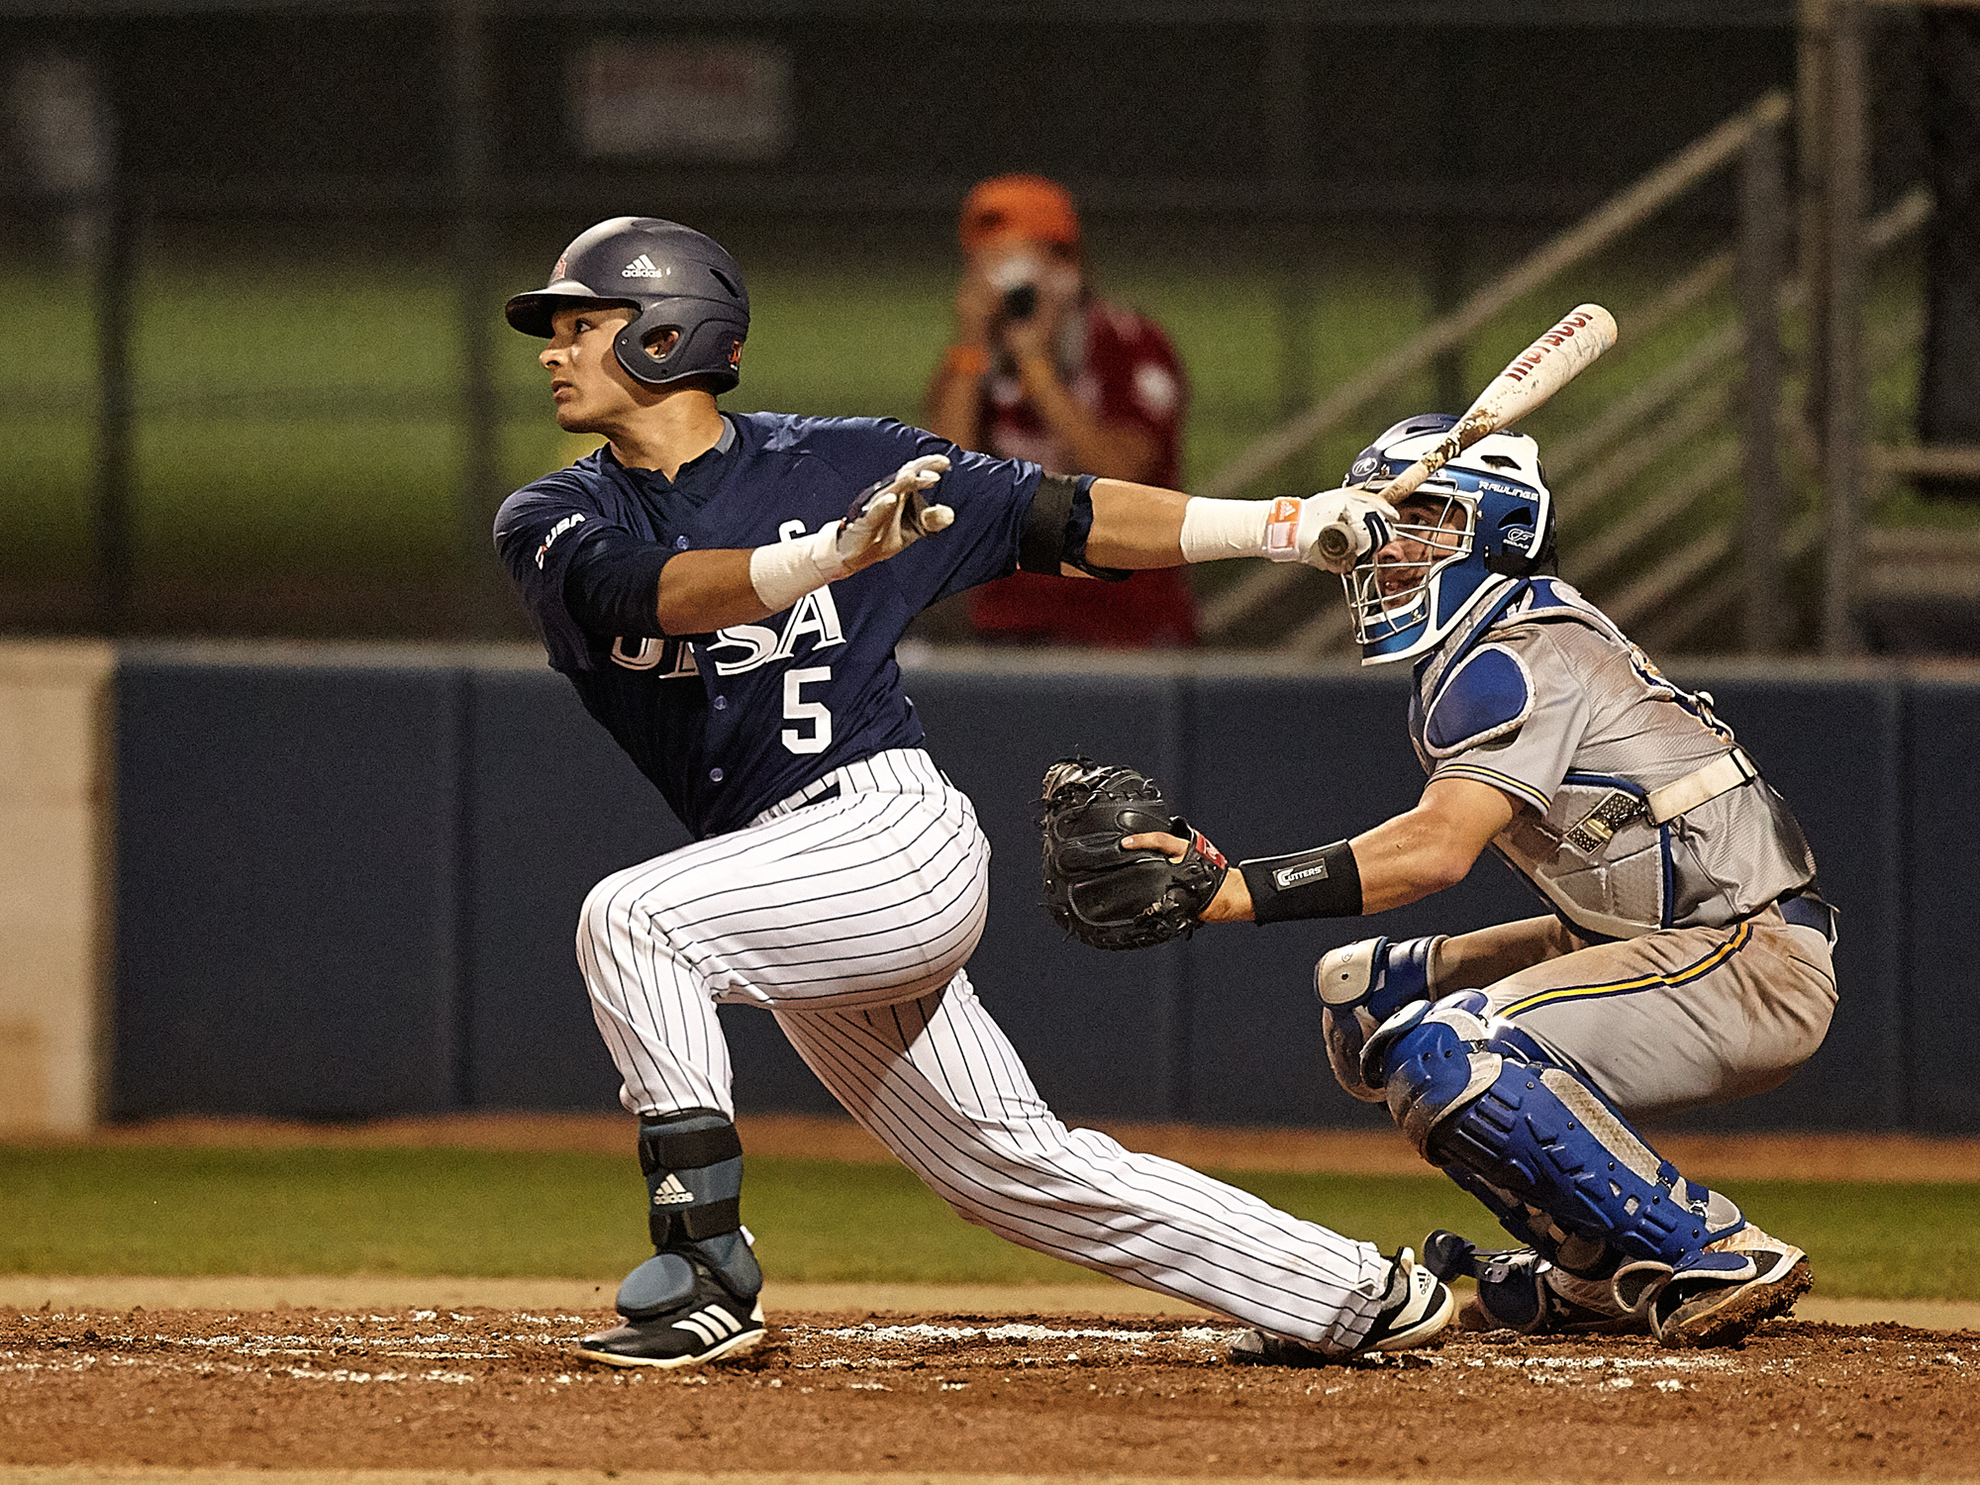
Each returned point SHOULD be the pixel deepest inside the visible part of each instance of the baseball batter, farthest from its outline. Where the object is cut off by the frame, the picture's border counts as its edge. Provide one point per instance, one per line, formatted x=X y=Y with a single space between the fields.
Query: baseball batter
x=725 y=592
x=1686 y=961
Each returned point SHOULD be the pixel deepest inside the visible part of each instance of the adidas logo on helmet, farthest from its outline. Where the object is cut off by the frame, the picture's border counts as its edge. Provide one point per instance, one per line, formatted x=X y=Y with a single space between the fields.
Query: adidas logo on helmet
x=643 y=267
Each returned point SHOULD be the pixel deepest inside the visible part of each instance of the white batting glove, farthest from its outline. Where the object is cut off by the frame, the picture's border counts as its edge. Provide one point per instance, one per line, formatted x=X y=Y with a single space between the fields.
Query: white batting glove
x=1331 y=531
x=886 y=519
x=892 y=515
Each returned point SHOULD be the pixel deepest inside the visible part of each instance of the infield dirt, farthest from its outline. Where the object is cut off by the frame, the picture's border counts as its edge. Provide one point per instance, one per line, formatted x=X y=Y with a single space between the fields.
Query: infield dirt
x=1046 y=1394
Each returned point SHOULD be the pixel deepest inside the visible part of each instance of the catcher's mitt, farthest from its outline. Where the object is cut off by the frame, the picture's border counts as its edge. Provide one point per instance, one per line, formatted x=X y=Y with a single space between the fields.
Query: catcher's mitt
x=1101 y=894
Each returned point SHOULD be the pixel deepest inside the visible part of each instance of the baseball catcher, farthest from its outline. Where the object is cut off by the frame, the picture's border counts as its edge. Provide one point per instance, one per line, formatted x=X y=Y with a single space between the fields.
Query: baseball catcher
x=1686 y=962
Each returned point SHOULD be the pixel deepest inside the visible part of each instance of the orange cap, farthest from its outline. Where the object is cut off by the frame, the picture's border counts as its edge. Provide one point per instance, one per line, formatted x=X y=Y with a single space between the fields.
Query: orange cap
x=1029 y=207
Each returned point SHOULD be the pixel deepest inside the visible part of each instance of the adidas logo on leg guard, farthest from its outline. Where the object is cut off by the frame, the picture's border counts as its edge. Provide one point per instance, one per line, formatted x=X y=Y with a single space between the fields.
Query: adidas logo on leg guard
x=1415 y=1310
x=695 y=1299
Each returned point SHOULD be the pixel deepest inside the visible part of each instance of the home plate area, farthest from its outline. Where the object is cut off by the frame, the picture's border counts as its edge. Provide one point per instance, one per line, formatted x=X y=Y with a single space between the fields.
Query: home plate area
x=468 y=1390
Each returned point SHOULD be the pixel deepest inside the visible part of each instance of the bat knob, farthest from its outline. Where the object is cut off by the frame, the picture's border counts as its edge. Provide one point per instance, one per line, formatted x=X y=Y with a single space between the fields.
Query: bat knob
x=1337 y=546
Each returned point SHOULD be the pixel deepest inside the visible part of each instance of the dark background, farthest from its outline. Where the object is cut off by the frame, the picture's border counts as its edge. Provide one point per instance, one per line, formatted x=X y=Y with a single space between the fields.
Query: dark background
x=350 y=888
x=1502 y=111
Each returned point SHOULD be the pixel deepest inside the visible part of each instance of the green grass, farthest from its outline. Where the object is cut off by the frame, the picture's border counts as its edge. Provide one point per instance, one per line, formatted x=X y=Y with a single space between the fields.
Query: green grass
x=490 y=1214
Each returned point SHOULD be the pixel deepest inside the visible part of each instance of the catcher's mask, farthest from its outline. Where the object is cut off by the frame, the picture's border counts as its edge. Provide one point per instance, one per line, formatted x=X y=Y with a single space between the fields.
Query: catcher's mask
x=674 y=278
x=1483 y=520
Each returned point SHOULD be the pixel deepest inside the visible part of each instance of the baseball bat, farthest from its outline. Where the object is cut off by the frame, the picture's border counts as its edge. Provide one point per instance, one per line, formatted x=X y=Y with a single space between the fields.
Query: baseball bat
x=1530 y=378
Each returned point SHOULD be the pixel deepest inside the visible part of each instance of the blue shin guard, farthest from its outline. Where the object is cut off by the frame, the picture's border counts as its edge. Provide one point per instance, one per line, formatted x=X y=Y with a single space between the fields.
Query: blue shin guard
x=1477 y=1095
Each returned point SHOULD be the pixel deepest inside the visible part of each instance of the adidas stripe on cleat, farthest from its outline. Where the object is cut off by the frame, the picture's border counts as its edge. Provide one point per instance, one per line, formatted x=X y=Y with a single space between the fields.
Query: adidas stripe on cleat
x=1418 y=1307
x=708 y=1326
x=708 y=1334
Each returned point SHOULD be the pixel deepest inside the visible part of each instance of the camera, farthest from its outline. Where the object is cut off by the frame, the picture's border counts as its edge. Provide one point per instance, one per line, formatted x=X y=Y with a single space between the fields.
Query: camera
x=1016 y=279
x=1020 y=301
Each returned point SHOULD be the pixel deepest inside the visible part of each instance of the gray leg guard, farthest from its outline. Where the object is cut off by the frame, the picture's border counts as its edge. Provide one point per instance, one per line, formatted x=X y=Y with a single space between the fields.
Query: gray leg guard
x=1479 y=1095
x=693 y=1165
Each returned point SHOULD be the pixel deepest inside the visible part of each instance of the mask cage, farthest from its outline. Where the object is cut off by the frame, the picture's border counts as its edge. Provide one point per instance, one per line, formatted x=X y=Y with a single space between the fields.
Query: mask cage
x=1379 y=616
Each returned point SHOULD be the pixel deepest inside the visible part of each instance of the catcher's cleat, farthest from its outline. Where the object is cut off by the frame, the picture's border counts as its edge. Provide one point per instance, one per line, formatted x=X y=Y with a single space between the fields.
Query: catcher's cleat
x=1414 y=1313
x=707 y=1326
x=1520 y=1290
x=1721 y=1294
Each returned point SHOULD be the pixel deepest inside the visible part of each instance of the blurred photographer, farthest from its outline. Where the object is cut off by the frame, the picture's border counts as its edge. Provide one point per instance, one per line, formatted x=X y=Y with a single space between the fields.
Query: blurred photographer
x=1042 y=369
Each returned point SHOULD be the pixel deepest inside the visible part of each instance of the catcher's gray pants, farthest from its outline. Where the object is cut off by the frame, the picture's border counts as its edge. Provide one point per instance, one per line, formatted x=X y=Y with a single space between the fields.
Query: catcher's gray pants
x=850 y=917
x=1682 y=1018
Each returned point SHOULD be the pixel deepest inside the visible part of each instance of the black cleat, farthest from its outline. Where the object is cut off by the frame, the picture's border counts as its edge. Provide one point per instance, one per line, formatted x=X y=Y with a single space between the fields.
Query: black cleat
x=707 y=1326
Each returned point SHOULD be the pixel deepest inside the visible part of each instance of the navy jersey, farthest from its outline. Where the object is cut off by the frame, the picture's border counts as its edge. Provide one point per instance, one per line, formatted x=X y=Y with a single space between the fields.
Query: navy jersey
x=728 y=724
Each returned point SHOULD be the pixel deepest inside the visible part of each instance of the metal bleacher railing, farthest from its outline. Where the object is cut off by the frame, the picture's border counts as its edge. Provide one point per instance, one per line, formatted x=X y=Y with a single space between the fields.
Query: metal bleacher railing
x=1688 y=498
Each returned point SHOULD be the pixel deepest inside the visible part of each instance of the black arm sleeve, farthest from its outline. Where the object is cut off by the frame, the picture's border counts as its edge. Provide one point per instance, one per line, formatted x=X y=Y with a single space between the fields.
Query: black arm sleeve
x=1057 y=526
x=612 y=585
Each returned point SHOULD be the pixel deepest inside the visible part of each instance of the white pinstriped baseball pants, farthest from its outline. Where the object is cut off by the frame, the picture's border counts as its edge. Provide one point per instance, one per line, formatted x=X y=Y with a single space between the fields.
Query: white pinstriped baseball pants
x=850 y=919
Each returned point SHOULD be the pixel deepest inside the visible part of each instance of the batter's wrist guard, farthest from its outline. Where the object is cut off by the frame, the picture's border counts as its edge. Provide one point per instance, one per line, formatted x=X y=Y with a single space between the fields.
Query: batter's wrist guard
x=1324 y=883
x=782 y=572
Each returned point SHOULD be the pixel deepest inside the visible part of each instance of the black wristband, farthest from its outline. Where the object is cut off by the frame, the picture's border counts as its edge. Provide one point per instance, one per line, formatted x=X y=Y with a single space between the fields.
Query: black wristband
x=1322 y=883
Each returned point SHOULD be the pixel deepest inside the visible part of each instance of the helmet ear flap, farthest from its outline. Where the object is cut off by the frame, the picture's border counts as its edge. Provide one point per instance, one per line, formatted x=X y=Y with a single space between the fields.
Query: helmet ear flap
x=712 y=346
x=1510 y=556
x=1523 y=544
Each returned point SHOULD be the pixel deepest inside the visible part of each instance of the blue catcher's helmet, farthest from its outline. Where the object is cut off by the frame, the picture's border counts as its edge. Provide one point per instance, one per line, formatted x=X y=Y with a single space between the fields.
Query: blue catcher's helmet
x=673 y=277
x=1481 y=521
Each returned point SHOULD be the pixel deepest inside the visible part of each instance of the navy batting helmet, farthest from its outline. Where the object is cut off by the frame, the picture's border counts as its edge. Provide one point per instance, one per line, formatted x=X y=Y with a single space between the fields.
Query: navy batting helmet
x=674 y=277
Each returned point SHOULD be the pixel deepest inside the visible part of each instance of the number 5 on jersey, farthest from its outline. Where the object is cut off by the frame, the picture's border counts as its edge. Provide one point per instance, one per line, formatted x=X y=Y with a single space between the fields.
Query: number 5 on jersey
x=797 y=709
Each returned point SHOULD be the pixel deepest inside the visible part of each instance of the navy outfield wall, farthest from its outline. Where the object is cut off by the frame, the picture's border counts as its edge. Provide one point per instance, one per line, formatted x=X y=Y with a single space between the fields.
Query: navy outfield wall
x=348 y=879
